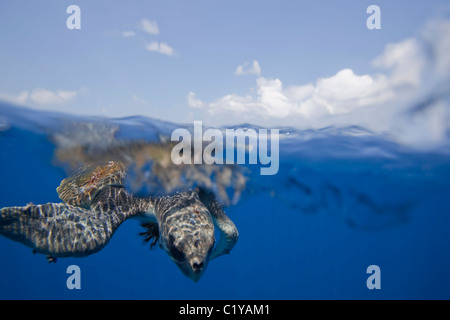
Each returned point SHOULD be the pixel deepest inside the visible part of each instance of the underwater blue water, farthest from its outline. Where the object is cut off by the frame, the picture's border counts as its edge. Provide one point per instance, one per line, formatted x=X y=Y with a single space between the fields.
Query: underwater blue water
x=342 y=200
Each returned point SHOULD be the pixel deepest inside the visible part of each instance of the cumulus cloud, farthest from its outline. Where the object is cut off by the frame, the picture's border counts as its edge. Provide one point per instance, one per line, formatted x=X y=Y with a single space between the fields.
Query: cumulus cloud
x=160 y=47
x=436 y=36
x=406 y=59
x=341 y=93
x=47 y=97
x=338 y=94
x=149 y=26
x=406 y=72
x=20 y=98
x=193 y=102
x=247 y=69
x=41 y=97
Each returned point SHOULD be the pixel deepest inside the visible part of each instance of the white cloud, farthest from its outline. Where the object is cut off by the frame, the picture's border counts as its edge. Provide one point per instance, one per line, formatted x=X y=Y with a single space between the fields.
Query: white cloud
x=41 y=97
x=406 y=59
x=437 y=35
x=148 y=26
x=160 y=47
x=245 y=69
x=338 y=94
x=345 y=91
x=20 y=98
x=408 y=71
x=235 y=103
x=165 y=49
x=193 y=102
x=47 y=97
x=128 y=34
x=271 y=98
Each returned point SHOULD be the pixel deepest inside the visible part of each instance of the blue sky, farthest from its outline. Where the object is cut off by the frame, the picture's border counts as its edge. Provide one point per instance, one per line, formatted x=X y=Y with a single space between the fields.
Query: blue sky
x=178 y=60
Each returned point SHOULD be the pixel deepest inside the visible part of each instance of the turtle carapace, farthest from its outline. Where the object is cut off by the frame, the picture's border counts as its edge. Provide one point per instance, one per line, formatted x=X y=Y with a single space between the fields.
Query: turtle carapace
x=96 y=203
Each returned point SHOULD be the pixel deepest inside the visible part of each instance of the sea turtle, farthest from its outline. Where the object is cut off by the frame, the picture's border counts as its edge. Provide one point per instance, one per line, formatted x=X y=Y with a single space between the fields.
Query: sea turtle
x=96 y=203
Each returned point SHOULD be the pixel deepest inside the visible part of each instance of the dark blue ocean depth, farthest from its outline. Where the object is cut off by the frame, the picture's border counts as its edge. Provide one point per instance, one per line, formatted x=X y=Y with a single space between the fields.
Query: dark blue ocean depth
x=308 y=232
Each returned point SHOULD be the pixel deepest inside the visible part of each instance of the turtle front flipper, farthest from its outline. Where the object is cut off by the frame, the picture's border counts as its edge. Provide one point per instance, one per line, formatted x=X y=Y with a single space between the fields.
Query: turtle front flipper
x=228 y=232
x=83 y=185
x=151 y=233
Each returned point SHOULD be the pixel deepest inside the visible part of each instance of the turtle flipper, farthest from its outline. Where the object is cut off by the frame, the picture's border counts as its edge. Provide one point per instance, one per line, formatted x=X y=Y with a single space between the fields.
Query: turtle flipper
x=83 y=185
x=228 y=232
x=151 y=233
x=64 y=230
x=56 y=229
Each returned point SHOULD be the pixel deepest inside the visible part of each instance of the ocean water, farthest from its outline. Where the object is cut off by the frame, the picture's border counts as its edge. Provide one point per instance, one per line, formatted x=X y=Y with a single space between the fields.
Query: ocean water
x=343 y=199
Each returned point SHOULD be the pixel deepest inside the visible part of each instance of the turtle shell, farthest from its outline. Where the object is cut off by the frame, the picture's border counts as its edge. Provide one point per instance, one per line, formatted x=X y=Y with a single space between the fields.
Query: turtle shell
x=80 y=188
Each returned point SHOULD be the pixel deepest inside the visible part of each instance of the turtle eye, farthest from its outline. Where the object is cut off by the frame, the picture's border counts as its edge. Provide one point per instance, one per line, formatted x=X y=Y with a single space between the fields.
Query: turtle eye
x=175 y=251
x=177 y=254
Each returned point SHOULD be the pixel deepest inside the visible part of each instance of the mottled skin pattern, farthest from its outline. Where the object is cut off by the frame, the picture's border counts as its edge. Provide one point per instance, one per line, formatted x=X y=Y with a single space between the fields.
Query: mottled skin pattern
x=81 y=187
x=185 y=224
x=186 y=230
x=63 y=230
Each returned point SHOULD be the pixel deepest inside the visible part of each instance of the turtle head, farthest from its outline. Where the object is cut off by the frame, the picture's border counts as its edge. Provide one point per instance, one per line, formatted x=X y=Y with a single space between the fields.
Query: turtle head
x=190 y=243
x=192 y=266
